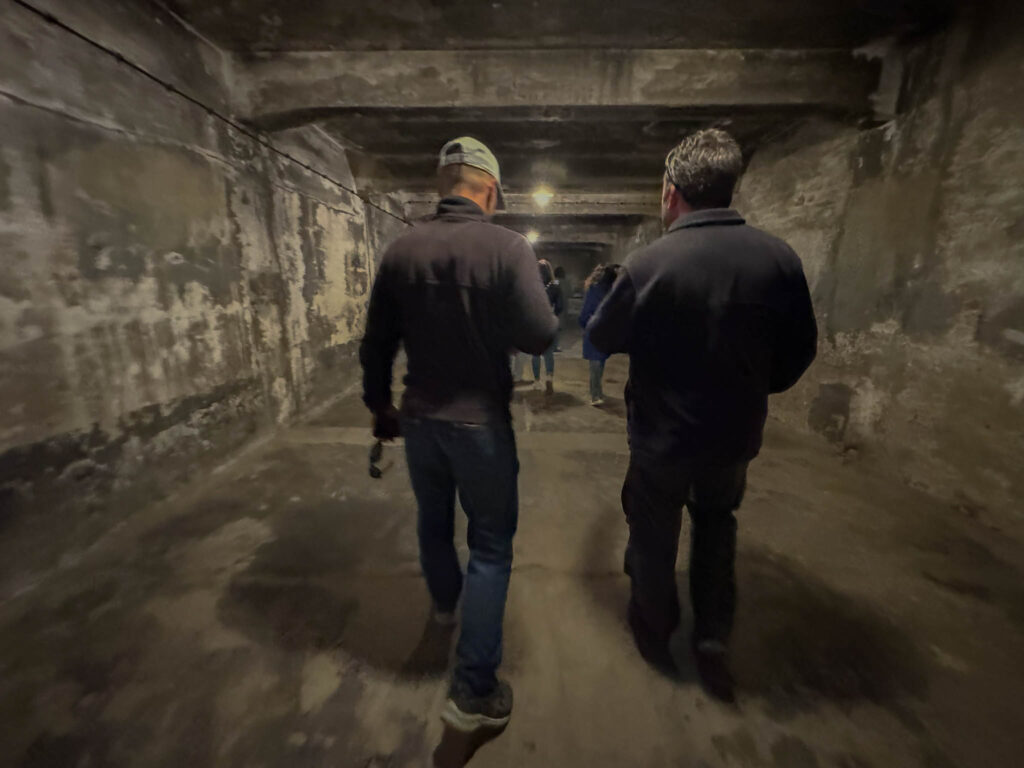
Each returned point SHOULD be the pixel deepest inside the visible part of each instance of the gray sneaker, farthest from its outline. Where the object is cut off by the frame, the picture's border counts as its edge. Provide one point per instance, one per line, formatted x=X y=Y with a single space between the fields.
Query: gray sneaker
x=467 y=712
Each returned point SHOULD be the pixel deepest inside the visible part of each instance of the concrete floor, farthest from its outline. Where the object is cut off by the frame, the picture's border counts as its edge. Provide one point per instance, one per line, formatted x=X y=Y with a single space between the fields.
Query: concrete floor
x=273 y=615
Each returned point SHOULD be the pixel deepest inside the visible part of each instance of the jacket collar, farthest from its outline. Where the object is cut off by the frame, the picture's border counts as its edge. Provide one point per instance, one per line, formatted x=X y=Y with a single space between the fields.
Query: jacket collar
x=707 y=217
x=461 y=207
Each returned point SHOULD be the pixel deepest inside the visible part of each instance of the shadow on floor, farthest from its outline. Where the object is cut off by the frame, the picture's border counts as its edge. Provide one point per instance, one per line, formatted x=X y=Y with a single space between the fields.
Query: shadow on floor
x=311 y=617
x=798 y=642
x=614 y=406
x=432 y=654
x=329 y=581
x=457 y=749
x=541 y=402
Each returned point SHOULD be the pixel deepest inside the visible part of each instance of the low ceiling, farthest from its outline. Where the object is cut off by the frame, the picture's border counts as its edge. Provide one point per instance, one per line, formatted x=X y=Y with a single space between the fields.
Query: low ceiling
x=586 y=96
x=571 y=149
x=315 y=25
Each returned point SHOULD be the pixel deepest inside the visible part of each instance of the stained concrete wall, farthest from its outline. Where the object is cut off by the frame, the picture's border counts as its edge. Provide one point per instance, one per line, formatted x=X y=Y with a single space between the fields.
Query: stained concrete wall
x=170 y=286
x=911 y=234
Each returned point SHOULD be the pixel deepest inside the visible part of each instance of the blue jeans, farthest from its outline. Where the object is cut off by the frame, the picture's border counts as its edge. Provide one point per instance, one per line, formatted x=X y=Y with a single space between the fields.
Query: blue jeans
x=517 y=364
x=596 y=374
x=549 y=360
x=479 y=461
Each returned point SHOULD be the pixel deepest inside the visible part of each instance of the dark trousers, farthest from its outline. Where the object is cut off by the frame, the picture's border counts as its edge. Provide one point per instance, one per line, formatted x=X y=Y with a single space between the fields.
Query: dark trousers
x=479 y=462
x=653 y=498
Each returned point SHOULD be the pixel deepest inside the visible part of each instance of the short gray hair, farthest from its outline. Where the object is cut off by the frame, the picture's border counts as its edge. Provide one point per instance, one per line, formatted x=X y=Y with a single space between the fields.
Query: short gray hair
x=705 y=167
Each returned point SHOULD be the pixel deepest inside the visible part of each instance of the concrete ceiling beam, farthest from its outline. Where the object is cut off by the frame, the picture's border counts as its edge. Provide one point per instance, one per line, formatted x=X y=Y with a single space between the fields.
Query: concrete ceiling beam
x=576 y=204
x=284 y=89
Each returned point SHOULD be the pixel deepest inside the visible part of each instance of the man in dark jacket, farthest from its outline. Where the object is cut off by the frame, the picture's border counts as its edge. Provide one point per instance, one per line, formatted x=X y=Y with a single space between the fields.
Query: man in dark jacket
x=460 y=293
x=715 y=316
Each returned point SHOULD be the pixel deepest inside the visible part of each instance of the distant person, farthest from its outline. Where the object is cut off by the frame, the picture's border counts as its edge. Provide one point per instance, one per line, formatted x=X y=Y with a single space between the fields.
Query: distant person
x=555 y=297
x=715 y=316
x=517 y=362
x=459 y=293
x=595 y=288
x=560 y=281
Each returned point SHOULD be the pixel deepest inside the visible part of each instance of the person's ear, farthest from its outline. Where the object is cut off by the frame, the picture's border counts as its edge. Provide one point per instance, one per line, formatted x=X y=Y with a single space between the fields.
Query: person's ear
x=492 y=199
x=668 y=193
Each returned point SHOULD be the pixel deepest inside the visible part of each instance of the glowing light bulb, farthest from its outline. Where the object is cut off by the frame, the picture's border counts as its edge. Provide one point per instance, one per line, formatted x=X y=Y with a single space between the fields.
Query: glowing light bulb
x=542 y=196
x=533 y=235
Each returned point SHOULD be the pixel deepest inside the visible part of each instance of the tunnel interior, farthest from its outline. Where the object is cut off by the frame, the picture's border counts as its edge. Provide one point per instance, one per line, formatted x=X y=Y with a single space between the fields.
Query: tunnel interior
x=194 y=199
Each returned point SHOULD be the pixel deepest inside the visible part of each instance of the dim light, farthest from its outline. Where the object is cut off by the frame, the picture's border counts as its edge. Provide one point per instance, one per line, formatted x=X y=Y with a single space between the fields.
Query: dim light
x=533 y=235
x=542 y=196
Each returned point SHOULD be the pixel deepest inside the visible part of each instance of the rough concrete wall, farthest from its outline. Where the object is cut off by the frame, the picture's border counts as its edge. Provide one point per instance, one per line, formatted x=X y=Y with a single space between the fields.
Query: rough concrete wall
x=383 y=224
x=149 y=35
x=911 y=237
x=646 y=232
x=169 y=285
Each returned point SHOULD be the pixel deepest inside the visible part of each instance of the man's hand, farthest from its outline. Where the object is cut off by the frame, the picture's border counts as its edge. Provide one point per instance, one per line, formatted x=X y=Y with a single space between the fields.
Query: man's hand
x=385 y=424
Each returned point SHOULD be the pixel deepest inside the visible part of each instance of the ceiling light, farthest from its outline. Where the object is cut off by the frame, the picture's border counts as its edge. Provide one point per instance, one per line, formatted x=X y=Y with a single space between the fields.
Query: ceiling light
x=542 y=196
x=533 y=235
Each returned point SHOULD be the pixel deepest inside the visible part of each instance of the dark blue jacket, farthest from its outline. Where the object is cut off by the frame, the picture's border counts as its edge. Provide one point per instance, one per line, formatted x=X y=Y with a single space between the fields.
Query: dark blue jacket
x=458 y=292
x=715 y=316
x=595 y=295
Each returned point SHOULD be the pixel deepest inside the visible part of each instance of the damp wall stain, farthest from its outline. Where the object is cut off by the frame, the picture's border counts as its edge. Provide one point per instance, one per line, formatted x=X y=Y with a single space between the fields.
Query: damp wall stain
x=161 y=301
x=909 y=237
x=5 y=184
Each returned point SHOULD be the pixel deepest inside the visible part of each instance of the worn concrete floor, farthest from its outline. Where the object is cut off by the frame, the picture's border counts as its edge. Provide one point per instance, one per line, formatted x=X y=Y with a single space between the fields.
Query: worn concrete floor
x=273 y=615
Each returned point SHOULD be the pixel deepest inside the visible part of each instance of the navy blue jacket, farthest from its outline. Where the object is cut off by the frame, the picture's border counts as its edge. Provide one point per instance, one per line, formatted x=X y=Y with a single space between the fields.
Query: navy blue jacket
x=459 y=293
x=715 y=315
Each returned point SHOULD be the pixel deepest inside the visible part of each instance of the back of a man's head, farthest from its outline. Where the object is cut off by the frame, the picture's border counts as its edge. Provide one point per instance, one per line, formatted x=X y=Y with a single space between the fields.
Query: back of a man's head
x=463 y=181
x=705 y=167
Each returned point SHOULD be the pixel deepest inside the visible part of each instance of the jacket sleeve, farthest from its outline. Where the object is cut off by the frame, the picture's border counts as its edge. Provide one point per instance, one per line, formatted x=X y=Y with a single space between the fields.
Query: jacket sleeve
x=797 y=342
x=379 y=345
x=611 y=326
x=590 y=304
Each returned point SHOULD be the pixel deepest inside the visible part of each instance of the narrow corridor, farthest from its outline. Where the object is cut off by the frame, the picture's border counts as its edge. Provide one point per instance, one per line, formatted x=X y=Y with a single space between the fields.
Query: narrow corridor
x=274 y=614
x=196 y=196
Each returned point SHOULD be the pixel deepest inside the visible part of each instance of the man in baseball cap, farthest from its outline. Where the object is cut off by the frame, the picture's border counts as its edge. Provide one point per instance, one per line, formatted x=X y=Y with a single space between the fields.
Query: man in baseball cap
x=460 y=293
x=473 y=153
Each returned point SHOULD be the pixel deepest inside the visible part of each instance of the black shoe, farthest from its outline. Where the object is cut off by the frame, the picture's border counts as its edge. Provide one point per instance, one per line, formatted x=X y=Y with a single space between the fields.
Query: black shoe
x=653 y=647
x=467 y=712
x=713 y=670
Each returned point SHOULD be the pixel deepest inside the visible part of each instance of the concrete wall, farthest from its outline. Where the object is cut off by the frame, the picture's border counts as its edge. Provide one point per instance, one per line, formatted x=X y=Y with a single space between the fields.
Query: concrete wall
x=169 y=286
x=911 y=234
x=577 y=266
